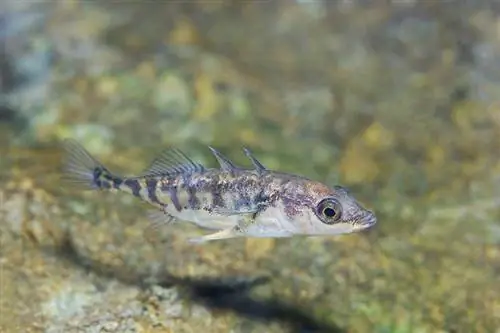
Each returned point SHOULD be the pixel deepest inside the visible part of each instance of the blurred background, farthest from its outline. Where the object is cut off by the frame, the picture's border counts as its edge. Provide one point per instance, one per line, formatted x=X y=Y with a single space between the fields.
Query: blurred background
x=397 y=101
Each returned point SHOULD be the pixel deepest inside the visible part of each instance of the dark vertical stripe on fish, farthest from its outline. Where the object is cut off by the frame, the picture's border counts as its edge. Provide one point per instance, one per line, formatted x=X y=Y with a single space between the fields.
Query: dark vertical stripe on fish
x=214 y=187
x=174 y=198
x=104 y=178
x=98 y=183
x=104 y=184
x=109 y=181
x=217 y=199
x=134 y=185
x=96 y=177
x=117 y=182
x=193 y=201
x=151 y=184
x=96 y=173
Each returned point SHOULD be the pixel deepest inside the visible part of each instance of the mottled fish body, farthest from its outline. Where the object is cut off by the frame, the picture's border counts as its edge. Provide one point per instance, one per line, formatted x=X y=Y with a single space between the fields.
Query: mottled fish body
x=236 y=202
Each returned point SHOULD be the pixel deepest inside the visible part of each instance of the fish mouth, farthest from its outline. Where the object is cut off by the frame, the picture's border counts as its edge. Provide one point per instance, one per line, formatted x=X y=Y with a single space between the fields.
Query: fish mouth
x=369 y=220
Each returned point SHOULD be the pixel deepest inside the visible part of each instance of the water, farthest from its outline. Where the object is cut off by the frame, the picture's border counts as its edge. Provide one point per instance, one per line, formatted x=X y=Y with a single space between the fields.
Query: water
x=382 y=99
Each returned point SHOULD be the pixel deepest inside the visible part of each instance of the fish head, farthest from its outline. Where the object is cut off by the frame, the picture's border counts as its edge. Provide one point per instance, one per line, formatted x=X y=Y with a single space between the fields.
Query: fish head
x=327 y=210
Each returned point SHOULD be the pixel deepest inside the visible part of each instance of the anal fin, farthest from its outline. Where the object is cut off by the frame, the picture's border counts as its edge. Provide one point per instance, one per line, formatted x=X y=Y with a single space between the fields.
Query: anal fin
x=159 y=219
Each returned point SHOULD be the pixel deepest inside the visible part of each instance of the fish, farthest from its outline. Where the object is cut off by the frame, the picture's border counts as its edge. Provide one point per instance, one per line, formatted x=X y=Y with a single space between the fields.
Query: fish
x=230 y=200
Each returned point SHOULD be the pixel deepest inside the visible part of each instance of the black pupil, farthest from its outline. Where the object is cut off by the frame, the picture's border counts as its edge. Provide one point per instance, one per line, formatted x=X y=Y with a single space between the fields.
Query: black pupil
x=329 y=212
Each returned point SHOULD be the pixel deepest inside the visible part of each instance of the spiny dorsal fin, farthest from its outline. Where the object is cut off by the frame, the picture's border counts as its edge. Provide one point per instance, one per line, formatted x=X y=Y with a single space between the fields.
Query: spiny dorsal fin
x=224 y=162
x=172 y=161
x=257 y=165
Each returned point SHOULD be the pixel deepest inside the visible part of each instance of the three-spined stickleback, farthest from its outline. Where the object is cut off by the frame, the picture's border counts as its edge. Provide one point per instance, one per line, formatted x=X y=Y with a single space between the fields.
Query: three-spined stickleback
x=234 y=201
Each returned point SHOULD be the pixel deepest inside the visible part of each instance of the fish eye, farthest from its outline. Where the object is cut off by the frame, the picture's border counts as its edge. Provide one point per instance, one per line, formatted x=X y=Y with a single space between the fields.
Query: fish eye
x=329 y=210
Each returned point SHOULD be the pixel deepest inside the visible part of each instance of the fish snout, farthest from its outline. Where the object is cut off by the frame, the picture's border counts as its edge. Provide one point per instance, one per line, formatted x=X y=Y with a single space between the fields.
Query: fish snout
x=369 y=220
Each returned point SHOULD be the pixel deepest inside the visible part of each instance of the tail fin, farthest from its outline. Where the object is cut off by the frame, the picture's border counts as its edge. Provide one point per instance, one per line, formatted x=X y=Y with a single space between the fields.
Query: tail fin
x=82 y=170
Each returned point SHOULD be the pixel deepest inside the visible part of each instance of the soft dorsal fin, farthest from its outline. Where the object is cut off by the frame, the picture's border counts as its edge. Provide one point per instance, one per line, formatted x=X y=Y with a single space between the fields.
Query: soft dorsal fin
x=224 y=162
x=257 y=165
x=172 y=161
